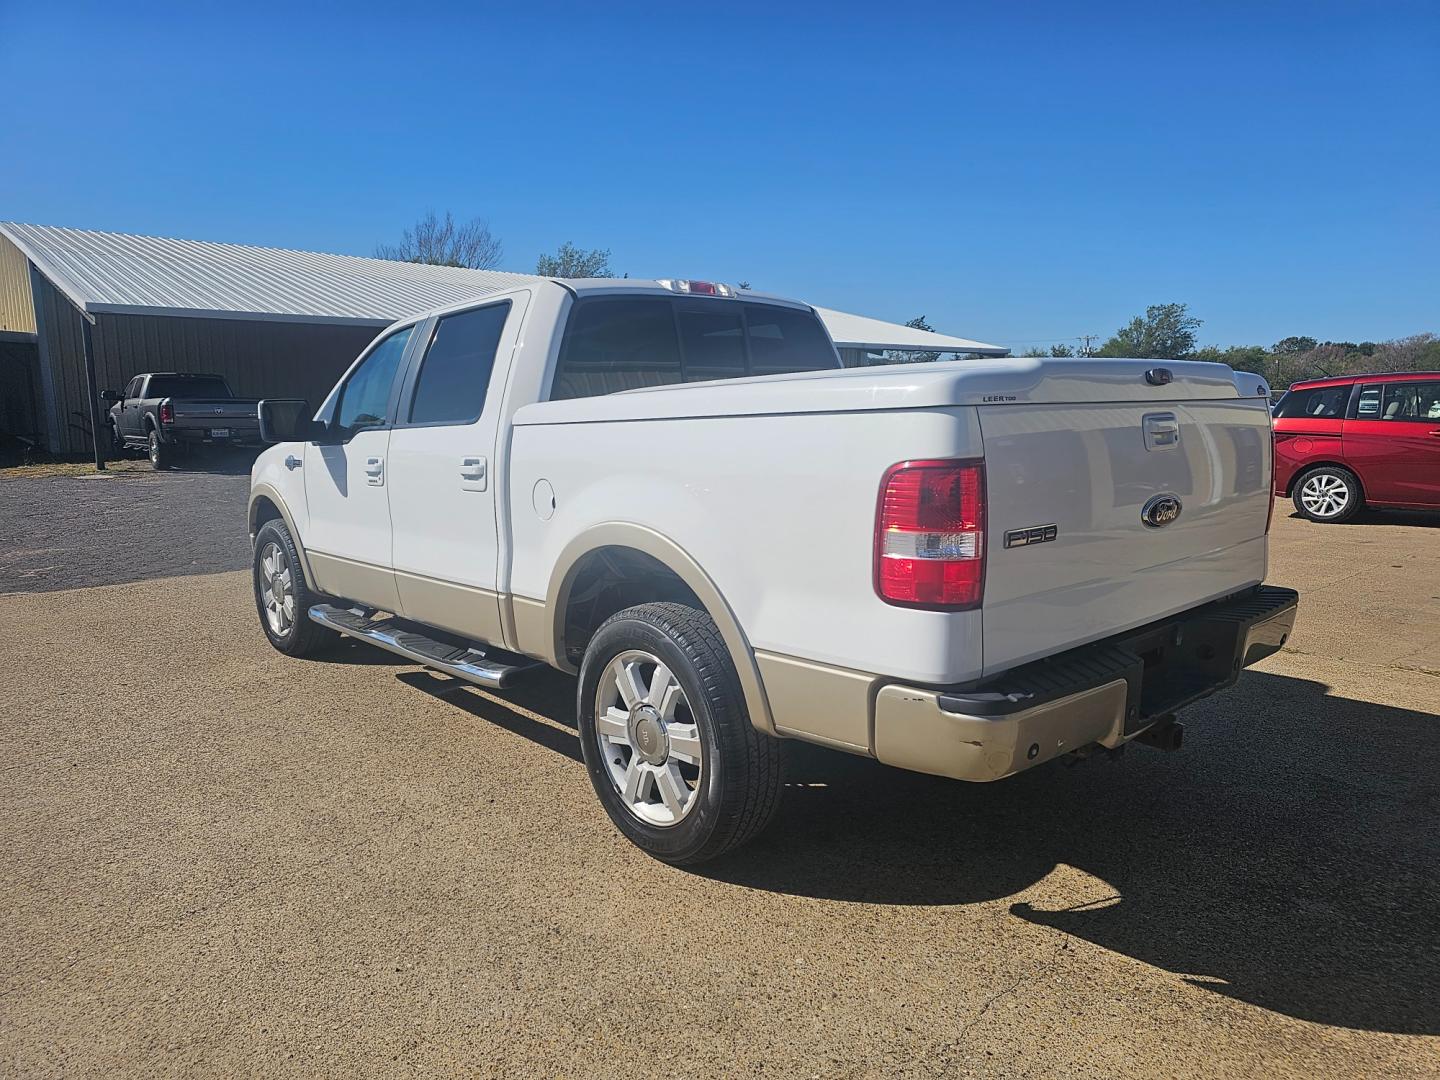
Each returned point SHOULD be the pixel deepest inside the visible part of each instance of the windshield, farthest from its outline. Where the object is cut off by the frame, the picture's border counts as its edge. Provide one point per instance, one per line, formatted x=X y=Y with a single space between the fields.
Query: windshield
x=187 y=386
x=616 y=343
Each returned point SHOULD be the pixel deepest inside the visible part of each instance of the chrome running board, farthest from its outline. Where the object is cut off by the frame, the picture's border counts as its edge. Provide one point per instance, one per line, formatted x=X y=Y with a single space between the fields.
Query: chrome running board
x=482 y=665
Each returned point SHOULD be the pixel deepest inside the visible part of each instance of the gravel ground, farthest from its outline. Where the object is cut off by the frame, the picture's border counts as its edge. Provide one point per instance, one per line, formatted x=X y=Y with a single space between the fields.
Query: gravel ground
x=66 y=532
x=223 y=862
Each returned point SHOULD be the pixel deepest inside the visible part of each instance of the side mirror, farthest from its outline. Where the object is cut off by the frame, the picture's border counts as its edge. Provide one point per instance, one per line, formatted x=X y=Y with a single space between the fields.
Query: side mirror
x=287 y=420
x=111 y=395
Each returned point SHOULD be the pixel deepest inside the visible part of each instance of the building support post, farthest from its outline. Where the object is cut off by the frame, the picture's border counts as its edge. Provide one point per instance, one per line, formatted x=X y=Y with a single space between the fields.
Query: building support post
x=91 y=390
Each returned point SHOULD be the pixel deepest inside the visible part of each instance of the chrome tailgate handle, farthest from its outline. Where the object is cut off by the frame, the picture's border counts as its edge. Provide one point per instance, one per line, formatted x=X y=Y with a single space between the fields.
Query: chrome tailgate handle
x=1162 y=431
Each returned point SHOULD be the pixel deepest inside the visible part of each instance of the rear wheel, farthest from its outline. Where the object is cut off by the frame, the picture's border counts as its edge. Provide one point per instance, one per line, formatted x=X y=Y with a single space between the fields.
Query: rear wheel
x=1328 y=494
x=162 y=455
x=282 y=596
x=667 y=739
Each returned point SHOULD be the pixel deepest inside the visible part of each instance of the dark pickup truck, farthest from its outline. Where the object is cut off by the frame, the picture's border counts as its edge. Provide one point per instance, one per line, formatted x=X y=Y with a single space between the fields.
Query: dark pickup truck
x=167 y=413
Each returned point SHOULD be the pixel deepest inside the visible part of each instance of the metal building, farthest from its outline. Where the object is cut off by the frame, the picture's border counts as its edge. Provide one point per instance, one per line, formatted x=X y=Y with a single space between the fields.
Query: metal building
x=81 y=311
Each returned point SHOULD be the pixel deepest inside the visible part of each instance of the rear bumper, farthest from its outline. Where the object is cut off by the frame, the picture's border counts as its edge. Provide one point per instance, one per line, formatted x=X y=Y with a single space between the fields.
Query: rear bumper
x=248 y=433
x=1104 y=693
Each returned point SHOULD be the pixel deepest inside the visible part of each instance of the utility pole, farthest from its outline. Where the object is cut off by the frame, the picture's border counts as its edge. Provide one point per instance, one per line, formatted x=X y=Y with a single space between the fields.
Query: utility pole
x=1085 y=347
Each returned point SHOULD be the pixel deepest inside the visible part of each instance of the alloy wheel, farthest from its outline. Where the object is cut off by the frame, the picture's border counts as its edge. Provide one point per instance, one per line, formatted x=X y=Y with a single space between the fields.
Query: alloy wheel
x=1324 y=495
x=648 y=738
x=277 y=590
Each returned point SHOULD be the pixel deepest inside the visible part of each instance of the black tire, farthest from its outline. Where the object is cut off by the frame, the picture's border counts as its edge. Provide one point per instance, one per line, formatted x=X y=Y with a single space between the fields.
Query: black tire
x=739 y=784
x=302 y=637
x=161 y=454
x=1333 y=479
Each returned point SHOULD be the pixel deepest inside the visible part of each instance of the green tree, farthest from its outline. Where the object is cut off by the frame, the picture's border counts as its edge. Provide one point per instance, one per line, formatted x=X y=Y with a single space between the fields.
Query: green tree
x=1165 y=331
x=1289 y=345
x=572 y=262
x=1061 y=350
x=444 y=243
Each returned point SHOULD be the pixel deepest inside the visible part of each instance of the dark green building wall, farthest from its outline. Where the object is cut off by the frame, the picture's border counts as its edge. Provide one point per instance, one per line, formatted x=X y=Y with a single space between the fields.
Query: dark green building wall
x=257 y=358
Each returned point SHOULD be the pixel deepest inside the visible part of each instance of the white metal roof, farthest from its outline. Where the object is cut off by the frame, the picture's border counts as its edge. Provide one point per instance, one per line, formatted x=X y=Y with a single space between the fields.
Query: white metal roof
x=116 y=272
x=860 y=332
x=106 y=272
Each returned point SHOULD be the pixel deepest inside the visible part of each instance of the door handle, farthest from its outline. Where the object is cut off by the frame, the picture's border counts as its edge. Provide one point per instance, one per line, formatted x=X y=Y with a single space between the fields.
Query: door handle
x=1435 y=434
x=375 y=471
x=472 y=473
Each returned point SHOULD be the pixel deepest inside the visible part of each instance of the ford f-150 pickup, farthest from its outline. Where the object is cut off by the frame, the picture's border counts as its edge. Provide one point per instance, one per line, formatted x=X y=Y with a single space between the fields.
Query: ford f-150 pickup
x=166 y=412
x=674 y=490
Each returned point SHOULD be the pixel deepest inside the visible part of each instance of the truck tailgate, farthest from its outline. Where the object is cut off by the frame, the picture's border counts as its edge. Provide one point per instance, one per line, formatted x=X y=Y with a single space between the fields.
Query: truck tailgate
x=202 y=411
x=1071 y=554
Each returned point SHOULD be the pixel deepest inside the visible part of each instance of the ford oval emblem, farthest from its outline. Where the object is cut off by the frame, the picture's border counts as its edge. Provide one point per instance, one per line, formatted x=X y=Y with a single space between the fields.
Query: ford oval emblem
x=1161 y=511
x=1159 y=376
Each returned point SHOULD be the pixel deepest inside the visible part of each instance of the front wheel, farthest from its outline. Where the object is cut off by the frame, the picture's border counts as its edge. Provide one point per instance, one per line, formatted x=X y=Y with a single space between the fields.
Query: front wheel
x=1328 y=494
x=667 y=739
x=282 y=596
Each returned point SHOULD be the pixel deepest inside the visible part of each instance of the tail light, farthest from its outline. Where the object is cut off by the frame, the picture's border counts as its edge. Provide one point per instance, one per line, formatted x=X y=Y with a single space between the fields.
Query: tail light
x=167 y=413
x=696 y=288
x=930 y=535
x=1270 y=476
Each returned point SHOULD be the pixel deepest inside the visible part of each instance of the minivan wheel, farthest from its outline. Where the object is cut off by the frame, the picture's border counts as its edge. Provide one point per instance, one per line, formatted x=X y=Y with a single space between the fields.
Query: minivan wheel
x=667 y=739
x=1328 y=494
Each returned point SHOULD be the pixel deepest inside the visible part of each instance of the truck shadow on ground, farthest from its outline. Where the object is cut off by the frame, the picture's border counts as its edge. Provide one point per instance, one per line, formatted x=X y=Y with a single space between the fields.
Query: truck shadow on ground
x=1287 y=857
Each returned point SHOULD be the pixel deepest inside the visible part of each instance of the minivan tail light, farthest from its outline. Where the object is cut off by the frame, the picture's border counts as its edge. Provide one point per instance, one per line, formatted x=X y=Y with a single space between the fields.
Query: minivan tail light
x=930 y=535
x=167 y=413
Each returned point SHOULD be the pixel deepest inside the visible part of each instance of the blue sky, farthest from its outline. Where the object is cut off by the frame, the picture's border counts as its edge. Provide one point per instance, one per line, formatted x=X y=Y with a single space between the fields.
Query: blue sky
x=1015 y=172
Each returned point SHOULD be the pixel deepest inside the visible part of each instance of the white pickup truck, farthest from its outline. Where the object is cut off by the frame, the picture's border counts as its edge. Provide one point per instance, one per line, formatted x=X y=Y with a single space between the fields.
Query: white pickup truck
x=675 y=490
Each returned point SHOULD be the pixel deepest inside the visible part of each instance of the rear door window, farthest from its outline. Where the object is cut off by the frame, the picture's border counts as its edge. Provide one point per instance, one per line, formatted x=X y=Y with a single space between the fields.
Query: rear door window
x=1318 y=403
x=455 y=374
x=1367 y=404
x=1417 y=402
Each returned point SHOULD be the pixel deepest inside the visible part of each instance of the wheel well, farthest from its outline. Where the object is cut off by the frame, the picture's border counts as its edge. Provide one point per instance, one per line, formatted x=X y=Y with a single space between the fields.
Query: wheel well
x=264 y=510
x=1311 y=466
x=610 y=579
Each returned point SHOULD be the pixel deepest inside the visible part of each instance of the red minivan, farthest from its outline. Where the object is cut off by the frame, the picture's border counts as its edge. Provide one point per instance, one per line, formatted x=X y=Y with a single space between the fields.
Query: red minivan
x=1359 y=440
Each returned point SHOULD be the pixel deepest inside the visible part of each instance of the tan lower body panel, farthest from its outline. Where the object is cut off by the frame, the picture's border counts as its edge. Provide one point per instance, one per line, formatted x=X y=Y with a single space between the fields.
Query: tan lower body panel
x=534 y=629
x=913 y=732
x=817 y=702
x=462 y=609
x=357 y=581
